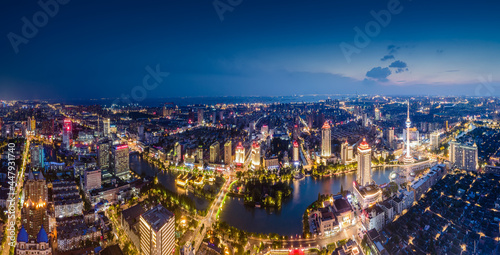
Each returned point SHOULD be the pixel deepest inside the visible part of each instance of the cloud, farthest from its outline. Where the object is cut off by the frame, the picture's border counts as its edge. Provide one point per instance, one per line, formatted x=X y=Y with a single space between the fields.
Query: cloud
x=379 y=73
x=393 y=48
x=387 y=57
x=399 y=65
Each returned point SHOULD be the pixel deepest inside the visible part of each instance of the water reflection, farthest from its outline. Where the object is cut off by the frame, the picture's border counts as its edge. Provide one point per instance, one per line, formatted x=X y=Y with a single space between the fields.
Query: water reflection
x=288 y=220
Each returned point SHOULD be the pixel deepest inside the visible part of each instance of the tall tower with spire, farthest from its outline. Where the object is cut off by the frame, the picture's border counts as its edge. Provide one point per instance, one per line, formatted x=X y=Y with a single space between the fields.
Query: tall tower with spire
x=408 y=159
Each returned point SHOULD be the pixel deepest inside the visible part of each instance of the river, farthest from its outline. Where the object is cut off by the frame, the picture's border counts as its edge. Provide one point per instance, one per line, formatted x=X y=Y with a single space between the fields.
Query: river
x=288 y=220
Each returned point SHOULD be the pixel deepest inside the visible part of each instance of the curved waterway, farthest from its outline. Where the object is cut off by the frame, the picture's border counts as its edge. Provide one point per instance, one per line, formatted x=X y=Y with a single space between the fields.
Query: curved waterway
x=288 y=220
x=167 y=179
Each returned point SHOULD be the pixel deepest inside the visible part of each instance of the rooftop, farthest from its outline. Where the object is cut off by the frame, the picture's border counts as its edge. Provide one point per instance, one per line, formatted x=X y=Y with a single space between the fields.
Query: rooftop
x=157 y=217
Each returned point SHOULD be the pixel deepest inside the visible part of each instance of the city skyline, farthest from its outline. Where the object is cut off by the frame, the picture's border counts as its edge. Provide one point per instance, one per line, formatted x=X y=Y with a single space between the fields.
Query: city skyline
x=251 y=48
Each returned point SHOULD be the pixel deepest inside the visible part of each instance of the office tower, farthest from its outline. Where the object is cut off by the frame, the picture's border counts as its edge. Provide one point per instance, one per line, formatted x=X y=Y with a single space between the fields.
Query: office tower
x=228 y=153
x=104 y=154
x=178 y=152
x=214 y=152
x=364 y=174
x=240 y=154
x=214 y=117
x=157 y=231
x=295 y=152
x=377 y=114
x=67 y=133
x=296 y=132
x=106 y=127
x=408 y=159
x=434 y=140
x=344 y=152
x=200 y=154
x=120 y=160
x=31 y=124
x=92 y=179
x=200 y=116
x=264 y=130
x=255 y=154
x=37 y=156
x=326 y=143
x=365 y=120
x=447 y=128
x=389 y=137
x=34 y=211
x=463 y=156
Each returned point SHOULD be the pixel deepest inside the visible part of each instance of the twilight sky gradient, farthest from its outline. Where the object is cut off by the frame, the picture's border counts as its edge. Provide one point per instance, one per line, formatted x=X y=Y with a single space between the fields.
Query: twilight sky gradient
x=95 y=49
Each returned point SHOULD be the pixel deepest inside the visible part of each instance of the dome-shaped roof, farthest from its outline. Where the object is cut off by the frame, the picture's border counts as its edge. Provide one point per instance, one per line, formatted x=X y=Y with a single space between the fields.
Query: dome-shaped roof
x=42 y=236
x=23 y=235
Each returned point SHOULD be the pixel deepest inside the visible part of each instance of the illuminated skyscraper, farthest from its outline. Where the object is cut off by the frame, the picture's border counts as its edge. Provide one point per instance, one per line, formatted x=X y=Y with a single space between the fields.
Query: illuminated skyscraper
x=296 y=158
x=240 y=154
x=214 y=152
x=67 y=132
x=120 y=161
x=106 y=127
x=34 y=211
x=200 y=154
x=228 y=153
x=256 y=154
x=364 y=174
x=463 y=156
x=157 y=231
x=37 y=156
x=326 y=143
x=104 y=154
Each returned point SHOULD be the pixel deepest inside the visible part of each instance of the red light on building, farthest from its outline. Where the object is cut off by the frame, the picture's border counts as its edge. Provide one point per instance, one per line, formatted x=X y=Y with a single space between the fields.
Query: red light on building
x=122 y=147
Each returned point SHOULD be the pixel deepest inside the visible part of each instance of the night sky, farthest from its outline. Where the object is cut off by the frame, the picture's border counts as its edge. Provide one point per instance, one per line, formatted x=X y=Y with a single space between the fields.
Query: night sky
x=96 y=49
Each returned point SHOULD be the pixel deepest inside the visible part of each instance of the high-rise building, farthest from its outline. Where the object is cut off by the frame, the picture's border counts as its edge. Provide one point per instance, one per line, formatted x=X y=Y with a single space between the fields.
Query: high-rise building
x=364 y=174
x=389 y=137
x=200 y=116
x=200 y=154
x=37 y=156
x=345 y=153
x=92 y=179
x=264 y=130
x=67 y=133
x=255 y=154
x=106 y=127
x=434 y=140
x=34 y=211
x=296 y=159
x=214 y=152
x=120 y=160
x=157 y=231
x=240 y=154
x=377 y=114
x=463 y=156
x=326 y=143
x=179 y=152
x=228 y=153
x=296 y=132
x=365 y=120
x=104 y=154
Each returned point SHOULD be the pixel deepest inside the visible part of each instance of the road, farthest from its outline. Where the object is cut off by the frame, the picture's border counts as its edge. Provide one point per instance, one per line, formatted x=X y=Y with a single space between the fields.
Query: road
x=315 y=242
x=211 y=216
